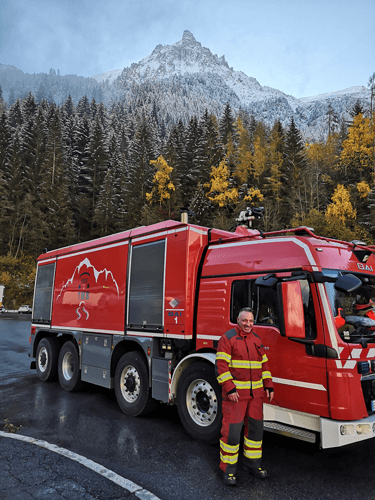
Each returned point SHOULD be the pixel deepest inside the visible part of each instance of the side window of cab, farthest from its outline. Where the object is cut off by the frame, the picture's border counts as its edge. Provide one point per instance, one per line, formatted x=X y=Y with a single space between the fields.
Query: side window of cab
x=263 y=301
x=265 y=306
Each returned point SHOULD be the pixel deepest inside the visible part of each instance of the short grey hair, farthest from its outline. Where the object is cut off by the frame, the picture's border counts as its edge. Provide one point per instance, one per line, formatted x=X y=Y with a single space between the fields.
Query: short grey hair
x=245 y=309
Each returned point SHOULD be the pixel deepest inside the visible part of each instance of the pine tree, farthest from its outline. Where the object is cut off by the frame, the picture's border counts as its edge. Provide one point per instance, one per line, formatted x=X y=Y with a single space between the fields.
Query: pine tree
x=210 y=151
x=53 y=191
x=357 y=109
x=190 y=179
x=92 y=173
x=227 y=125
x=332 y=120
x=141 y=171
x=272 y=186
x=294 y=187
x=176 y=158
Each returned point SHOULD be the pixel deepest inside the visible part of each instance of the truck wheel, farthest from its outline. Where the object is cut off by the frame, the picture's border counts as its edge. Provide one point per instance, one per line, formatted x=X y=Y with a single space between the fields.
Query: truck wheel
x=47 y=355
x=131 y=385
x=199 y=402
x=68 y=368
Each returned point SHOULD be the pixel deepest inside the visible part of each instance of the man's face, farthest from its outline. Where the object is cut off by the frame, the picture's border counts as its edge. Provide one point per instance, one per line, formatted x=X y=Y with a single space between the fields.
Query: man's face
x=246 y=321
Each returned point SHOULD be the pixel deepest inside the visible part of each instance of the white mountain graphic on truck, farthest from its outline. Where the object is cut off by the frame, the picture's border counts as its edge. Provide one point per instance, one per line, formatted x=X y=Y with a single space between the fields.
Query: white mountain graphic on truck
x=85 y=263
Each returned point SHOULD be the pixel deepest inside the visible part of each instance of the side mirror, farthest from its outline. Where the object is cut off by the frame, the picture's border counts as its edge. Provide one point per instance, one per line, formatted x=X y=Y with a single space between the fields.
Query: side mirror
x=292 y=322
x=348 y=283
x=269 y=280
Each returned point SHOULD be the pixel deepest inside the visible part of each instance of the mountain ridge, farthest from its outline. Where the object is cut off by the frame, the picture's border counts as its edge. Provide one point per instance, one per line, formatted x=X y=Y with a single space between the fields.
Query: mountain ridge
x=186 y=79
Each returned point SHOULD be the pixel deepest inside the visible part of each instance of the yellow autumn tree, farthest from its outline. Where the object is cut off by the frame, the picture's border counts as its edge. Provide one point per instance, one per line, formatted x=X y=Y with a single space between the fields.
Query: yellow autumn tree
x=260 y=158
x=163 y=186
x=244 y=155
x=341 y=207
x=357 y=156
x=220 y=191
x=363 y=189
x=253 y=196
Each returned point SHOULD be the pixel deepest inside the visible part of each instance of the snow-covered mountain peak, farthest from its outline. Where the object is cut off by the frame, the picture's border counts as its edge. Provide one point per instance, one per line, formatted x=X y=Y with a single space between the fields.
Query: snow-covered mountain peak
x=187 y=59
x=186 y=56
x=188 y=37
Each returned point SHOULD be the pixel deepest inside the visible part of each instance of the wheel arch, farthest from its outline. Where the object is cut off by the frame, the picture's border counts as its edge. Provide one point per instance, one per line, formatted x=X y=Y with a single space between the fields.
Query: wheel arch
x=208 y=357
x=62 y=337
x=124 y=347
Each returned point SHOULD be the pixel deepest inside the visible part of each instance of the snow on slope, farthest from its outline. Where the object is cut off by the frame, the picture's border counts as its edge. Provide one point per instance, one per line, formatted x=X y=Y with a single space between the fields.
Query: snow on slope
x=206 y=78
x=350 y=91
x=110 y=76
x=188 y=57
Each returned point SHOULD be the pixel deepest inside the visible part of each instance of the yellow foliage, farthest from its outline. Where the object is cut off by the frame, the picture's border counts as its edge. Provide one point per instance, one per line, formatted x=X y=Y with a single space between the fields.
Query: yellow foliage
x=244 y=154
x=330 y=227
x=363 y=189
x=253 y=196
x=358 y=148
x=163 y=187
x=220 y=192
x=341 y=207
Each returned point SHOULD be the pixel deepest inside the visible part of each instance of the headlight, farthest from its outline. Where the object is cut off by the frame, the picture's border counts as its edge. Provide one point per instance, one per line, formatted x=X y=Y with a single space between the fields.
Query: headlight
x=363 y=429
x=347 y=430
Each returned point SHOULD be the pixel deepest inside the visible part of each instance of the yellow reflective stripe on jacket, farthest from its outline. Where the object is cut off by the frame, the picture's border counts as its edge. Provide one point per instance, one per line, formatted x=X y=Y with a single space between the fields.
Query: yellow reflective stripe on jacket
x=224 y=377
x=252 y=444
x=240 y=384
x=229 y=459
x=243 y=363
x=229 y=448
x=264 y=358
x=252 y=454
x=224 y=356
x=266 y=375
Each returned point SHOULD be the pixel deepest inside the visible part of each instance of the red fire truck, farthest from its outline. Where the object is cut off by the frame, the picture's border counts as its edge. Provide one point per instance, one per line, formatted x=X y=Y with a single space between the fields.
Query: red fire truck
x=142 y=311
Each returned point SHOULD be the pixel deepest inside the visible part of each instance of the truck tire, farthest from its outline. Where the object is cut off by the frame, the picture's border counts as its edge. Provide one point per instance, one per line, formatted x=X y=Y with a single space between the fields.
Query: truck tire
x=47 y=355
x=131 y=385
x=199 y=402
x=68 y=367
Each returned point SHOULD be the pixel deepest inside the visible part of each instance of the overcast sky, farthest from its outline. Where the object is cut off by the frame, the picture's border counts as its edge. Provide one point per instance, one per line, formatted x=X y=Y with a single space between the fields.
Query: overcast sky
x=302 y=47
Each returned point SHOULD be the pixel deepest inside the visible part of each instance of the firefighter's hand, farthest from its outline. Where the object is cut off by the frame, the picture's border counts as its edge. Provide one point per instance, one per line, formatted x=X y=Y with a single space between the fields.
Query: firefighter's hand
x=269 y=394
x=234 y=397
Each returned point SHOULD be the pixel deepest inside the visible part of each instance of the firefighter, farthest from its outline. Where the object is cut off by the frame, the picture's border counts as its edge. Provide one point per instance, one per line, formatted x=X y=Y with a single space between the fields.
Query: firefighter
x=242 y=371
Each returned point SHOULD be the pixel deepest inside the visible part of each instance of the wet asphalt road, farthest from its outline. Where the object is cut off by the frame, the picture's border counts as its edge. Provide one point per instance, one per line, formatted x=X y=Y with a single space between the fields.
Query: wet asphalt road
x=152 y=451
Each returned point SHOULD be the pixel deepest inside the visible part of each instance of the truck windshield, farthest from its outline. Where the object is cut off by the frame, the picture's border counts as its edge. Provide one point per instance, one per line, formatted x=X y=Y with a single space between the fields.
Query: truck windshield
x=354 y=312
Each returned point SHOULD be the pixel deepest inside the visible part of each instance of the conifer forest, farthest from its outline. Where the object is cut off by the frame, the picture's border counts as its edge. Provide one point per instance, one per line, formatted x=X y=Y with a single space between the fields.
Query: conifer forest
x=75 y=172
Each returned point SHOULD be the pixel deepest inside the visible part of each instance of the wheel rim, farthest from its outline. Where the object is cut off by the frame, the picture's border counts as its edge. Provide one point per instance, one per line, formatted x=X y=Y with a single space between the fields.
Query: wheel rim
x=43 y=359
x=130 y=384
x=67 y=366
x=201 y=402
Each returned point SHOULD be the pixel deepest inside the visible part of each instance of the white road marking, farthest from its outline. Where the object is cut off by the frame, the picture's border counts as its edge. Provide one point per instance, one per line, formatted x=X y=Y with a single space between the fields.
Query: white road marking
x=124 y=483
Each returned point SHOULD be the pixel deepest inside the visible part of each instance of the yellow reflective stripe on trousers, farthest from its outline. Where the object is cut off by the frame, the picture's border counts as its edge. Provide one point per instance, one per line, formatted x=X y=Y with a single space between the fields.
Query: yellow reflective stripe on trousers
x=247 y=384
x=252 y=444
x=224 y=377
x=229 y=448
x=252 y=454
x=224 y=356
x=266 y=375
x=229 y=459
x=242 y=363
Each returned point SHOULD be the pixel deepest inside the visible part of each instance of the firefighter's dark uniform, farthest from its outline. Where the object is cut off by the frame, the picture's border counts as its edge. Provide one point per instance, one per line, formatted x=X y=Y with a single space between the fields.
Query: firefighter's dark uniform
x=242 y=365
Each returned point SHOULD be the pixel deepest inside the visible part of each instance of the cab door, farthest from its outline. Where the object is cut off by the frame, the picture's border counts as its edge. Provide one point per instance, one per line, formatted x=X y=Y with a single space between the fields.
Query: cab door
x=298 y=364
